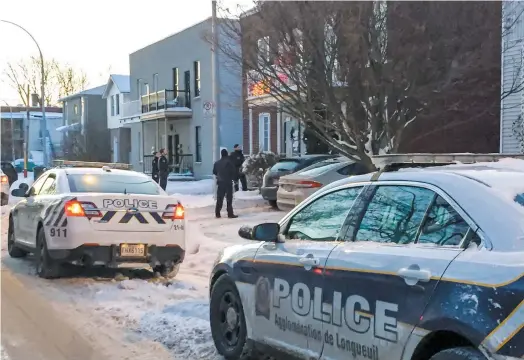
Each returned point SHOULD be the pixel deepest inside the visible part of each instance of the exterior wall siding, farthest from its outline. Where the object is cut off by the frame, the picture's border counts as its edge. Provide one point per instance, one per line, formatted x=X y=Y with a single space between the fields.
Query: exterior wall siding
x=512 y=106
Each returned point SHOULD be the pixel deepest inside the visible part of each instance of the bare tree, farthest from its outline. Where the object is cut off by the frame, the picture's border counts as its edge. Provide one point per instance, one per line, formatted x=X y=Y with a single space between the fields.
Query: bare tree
x=357 y=74
x=26 y=72
x=69 y=80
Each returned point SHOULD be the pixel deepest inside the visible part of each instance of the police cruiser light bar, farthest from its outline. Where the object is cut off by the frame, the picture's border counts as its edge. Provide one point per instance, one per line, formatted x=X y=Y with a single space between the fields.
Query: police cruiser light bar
x=392 y=160
x=89 y=164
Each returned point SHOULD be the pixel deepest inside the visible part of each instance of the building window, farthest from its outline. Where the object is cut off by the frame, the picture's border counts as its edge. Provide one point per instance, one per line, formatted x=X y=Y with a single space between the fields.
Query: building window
x=175 y=81
x=155 y=82
x=75 y=109
x=198 y=142
x=117 y=104
x=196 y=69
x=113 y=105
x=264 y=133
x=263 y=50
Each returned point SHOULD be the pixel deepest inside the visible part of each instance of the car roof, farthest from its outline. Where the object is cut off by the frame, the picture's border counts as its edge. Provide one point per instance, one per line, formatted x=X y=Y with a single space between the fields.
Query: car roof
x=472 y=188
x=307 y=157
x=81 y=171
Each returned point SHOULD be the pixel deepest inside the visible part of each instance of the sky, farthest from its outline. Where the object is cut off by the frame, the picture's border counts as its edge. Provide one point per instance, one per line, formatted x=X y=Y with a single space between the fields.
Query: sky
x=96 y=36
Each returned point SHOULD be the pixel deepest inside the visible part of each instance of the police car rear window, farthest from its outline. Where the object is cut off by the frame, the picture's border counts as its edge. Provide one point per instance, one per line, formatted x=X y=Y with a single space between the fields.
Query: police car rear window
x=111 y=183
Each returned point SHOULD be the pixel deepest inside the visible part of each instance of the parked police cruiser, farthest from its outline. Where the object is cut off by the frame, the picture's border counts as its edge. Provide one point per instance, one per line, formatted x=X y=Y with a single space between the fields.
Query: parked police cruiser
x=96 y=213
x=402 y=264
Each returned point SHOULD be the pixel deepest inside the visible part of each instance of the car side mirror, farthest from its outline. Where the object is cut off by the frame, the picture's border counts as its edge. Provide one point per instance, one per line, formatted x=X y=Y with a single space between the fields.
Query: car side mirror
x=24 y=187
x=266 y=232
x=19 y=193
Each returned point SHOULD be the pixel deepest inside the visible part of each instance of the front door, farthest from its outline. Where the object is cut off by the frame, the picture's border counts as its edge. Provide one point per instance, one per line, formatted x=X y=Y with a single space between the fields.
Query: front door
x=177 y=149
x=24 y=213
x=383 y=279
x=294 y=270
x=170 y=149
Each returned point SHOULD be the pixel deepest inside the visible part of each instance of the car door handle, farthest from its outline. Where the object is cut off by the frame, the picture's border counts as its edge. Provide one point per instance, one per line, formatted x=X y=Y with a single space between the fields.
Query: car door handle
x=415 y=274
x=309 y=261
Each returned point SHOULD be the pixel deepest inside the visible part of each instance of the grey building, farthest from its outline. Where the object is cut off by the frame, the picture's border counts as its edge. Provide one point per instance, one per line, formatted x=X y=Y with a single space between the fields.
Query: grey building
x=171 y=102
x=86 y=136
x=512 y=106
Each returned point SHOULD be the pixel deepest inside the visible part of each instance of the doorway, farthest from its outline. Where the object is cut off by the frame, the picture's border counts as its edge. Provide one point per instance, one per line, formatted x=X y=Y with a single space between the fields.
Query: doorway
x=173 y=142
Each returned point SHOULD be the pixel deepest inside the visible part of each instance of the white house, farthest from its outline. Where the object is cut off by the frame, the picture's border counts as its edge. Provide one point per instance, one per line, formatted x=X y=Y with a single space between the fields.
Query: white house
x=116 y=94
x=512 y=104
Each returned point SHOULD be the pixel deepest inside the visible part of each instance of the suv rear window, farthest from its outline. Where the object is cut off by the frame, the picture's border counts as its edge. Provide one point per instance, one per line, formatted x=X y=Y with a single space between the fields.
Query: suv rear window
x=112 y=183
x=285 y=165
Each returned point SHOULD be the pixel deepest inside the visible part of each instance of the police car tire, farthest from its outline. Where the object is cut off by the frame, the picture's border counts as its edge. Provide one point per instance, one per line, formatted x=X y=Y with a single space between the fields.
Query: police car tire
x=243 y=350
x=13 y=250
x=461 y=353
x=49 y=269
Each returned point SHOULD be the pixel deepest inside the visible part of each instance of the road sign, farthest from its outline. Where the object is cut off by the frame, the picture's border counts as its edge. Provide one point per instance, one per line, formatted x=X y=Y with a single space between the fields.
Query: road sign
x=208 y=108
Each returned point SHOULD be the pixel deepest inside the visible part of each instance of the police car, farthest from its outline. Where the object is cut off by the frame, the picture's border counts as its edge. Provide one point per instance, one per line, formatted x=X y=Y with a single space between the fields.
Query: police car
x=96 y=213
x=403 y=264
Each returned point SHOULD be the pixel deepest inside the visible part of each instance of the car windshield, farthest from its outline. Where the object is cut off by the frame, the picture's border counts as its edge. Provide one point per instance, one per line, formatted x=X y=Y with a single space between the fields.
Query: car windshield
x=112 y=183
x=285 y=165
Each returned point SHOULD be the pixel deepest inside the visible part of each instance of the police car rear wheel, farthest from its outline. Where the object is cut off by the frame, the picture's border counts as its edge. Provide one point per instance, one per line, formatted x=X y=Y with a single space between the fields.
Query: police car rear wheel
x=45 y=266
x=228 y=325
x=13 y=250
x=462 y=353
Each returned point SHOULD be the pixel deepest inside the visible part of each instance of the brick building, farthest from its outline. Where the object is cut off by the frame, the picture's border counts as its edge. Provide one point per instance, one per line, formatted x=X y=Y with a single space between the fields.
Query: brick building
x=447 y=125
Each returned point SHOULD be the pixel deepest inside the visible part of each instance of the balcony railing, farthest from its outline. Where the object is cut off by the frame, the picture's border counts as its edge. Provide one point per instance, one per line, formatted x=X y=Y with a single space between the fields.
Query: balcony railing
x=131 y=108
x=166 y=99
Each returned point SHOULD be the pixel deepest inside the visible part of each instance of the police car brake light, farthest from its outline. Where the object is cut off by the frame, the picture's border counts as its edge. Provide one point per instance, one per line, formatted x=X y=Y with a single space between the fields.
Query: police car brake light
x=74 y=208
x=309 y=184
x=175 y=212
x=4 y=179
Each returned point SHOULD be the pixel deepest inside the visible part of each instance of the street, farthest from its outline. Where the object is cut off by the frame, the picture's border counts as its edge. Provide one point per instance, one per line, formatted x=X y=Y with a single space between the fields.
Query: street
x=120 y=313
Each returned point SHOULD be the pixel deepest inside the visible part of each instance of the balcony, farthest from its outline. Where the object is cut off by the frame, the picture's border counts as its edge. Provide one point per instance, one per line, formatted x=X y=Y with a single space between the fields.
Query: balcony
x=166 y=103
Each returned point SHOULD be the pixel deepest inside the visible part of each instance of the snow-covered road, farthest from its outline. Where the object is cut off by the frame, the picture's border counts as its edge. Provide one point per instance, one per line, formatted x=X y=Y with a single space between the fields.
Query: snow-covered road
x=128 y=313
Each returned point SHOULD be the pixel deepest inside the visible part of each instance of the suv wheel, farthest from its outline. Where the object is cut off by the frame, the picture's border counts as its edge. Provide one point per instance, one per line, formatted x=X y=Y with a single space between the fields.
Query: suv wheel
x=228 y=324
x=168 y=272
x=460 y=353
x=45 y=266
x=13 y=250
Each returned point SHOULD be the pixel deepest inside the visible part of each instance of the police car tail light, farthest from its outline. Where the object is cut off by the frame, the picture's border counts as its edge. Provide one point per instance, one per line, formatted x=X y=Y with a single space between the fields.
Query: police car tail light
x=308 y=184
x=3 y=179
x=74 y=208
x=174 y=212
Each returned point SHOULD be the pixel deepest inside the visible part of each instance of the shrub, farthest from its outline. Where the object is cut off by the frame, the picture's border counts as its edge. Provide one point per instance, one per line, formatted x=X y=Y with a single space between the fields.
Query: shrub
x=256 y=165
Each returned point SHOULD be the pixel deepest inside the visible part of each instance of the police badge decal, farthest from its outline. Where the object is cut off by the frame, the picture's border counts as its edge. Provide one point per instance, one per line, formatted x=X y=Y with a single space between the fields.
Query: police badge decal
x=262 y=300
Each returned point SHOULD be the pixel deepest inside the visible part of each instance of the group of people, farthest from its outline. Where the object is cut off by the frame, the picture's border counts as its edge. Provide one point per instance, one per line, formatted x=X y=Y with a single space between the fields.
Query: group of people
x=160 y=168
x=228 y=173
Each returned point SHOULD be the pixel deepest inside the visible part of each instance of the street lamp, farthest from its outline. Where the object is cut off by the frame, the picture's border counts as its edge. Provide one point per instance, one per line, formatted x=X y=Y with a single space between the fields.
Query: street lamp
x=12 y=130
x=43 y=123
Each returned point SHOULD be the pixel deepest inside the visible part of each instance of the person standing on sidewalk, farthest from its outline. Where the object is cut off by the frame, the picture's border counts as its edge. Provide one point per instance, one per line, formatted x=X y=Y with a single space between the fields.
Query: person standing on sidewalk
x=154 y=166
x=163 y=168
x=237 y=156
x=225 y=173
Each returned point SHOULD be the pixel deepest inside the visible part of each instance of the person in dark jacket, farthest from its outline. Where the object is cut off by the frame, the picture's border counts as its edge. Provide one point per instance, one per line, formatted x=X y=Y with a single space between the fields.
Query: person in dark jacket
x=163 y=168
x=238 y=159
x=154 y=166
x=225 y=173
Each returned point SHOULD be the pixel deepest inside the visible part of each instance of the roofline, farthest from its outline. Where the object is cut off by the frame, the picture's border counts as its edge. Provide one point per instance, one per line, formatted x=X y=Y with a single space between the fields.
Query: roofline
x=106 y=90
x=80 y=94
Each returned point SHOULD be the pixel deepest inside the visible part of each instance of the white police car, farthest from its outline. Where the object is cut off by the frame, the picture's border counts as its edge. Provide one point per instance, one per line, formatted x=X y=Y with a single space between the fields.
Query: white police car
x=418 y=264
x=96 y=215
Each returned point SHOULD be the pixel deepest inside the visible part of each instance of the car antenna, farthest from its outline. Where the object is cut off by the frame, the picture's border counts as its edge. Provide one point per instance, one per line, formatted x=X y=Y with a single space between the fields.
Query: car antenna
x=125 y=192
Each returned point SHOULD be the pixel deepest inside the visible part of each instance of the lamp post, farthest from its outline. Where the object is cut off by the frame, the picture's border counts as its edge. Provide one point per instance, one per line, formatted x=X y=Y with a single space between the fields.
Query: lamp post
x=43 y=123
x=12 y=131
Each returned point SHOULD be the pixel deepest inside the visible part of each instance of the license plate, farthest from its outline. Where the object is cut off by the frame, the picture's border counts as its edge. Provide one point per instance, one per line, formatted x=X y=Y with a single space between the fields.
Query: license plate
x=132 y=250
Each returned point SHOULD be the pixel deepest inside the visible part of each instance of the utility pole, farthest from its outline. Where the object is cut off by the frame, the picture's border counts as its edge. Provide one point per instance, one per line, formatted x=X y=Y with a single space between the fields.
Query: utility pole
x=214 y=81
x=26 y=132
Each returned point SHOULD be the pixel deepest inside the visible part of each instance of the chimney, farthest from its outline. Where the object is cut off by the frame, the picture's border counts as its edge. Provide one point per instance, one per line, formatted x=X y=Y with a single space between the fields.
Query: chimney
x=35 y=100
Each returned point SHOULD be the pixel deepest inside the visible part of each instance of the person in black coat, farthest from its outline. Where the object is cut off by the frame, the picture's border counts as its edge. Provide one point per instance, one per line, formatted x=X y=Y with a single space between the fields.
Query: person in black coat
x=238 y=159
x=225 y=173
x=163 y=168
x=154 y=166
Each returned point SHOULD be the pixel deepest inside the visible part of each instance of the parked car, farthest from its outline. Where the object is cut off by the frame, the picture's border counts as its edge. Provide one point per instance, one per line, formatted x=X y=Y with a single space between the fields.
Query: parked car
x=283 y=167
x=393 y=265
x=4 y=189
x=10 y=171
x=296 y=187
